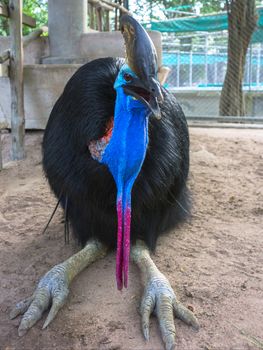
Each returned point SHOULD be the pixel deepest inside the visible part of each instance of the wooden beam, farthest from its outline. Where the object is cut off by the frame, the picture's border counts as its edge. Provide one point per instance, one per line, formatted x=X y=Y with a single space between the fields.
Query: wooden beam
x=27 y=20
x=34 y=35
x=26 y=40
x=99 y=3
x=4 y=71
x=4 y=10
x=5 y=56
x=117 y=6
x=16 y=80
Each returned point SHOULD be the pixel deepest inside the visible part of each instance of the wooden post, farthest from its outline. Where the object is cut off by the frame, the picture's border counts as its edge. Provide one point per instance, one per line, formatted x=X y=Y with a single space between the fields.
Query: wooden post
x=107 y=21
x=99 y=18
x=1 y=160
x=91 y=16
x=16 y=80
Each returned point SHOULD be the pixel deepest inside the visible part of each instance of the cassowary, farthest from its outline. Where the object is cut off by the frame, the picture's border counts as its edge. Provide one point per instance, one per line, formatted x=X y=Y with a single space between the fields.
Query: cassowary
x=116 y=154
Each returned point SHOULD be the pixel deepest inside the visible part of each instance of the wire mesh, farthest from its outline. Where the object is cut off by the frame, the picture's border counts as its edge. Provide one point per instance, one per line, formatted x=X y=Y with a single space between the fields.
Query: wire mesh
x=198 y=64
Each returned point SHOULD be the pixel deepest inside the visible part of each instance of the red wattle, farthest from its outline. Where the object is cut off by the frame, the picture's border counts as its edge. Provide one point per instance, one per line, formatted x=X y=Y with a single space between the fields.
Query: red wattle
x=126 y=253
x=123 y=244
x=119 y=258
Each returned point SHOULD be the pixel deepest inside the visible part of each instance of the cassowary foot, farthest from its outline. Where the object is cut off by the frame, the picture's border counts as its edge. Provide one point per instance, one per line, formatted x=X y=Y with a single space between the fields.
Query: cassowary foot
x=53 y=288
x=160 y=298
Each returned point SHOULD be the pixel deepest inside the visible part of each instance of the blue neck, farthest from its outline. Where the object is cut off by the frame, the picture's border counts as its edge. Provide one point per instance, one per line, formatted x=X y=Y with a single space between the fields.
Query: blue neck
x=124 y=157
x=126 y=150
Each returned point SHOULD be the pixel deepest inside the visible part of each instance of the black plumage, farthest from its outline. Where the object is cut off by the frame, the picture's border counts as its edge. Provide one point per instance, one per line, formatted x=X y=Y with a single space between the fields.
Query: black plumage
x=160 y=198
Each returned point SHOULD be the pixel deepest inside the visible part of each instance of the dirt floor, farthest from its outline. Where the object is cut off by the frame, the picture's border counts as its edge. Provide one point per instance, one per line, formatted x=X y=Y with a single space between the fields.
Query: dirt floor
x=214 y=262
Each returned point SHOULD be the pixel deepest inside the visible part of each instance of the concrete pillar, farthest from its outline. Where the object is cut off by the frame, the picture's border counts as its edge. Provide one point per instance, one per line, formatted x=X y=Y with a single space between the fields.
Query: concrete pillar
x=67 y=21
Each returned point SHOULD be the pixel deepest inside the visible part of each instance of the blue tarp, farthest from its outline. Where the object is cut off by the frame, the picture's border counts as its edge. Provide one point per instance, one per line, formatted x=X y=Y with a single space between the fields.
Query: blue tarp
x=207 y=23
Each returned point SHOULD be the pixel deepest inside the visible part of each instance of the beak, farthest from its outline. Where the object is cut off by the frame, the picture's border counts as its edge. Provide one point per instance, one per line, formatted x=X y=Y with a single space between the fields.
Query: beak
x=141 y=92
x=142 y=59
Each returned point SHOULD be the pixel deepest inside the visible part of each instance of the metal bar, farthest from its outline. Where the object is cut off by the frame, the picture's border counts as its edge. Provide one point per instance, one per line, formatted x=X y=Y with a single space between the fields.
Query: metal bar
x=191 y=68
x=227 y=119
x=182 y=12
x=224 y=125
x=250 y=67
x=178 y=70
x=206 y=66
x=258 y=67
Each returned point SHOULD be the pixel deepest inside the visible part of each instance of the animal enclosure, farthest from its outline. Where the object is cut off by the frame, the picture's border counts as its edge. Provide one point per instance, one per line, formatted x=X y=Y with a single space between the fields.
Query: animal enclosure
x=196 y=51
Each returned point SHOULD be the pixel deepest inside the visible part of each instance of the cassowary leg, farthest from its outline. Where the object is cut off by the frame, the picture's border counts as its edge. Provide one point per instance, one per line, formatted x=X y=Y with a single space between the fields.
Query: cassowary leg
x=53 y=288
x=159 y=297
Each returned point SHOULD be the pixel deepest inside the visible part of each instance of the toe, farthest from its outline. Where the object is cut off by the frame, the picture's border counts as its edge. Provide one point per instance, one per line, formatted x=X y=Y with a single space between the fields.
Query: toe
x=57 y=303
x=35 y=311
x=20 y=308
x=147 y=306
x=164 y=311
x=185 y=315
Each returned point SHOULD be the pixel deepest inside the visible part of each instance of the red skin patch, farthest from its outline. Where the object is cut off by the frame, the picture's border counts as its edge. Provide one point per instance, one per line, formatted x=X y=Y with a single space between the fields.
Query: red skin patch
x=97 y=147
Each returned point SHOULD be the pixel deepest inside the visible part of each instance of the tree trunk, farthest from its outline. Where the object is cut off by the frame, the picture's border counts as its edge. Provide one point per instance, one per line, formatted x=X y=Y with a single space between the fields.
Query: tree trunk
x=241 y=24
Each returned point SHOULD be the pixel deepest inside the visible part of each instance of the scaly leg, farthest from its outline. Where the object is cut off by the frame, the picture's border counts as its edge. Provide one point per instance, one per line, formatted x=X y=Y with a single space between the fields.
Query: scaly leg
x=159 y=297
x=53 y=288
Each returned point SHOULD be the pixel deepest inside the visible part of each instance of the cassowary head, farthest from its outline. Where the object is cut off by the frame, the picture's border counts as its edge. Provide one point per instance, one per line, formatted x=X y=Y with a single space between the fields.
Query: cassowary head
x=142 y=60
x=138 y=94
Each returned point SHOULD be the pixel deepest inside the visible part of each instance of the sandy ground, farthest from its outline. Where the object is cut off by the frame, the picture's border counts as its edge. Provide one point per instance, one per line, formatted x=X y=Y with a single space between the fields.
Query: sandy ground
x=213 y=262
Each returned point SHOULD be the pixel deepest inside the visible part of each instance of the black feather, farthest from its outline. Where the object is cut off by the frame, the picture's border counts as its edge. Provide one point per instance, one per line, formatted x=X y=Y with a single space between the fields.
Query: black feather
x=160 y=198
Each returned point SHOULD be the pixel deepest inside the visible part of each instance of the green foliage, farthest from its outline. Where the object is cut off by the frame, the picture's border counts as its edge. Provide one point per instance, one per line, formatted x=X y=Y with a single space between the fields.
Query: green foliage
x=3 y=21
x=34 y=8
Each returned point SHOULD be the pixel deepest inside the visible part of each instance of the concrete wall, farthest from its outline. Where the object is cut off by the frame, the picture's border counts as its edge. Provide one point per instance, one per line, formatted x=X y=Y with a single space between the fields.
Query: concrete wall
x=33 y=52
x=43 y=83
x=95 y=45
x=206 y=103
x=92 y=45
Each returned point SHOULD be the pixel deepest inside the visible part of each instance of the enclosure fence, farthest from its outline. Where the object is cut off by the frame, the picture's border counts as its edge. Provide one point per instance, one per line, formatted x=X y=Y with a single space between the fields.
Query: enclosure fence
x=216 y=61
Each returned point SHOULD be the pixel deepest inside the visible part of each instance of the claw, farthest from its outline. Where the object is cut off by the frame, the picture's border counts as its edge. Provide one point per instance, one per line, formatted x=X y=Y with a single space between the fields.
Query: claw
x=185 y=315
x=20 y=308
x=35 y=311
x=159 y=296
x=164 y=312
x=147 y=306
x=51 y=289
x=58 y=302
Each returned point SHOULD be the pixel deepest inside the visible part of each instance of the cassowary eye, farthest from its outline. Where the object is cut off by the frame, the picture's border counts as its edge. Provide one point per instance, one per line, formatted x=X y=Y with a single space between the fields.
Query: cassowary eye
x=127 y=77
